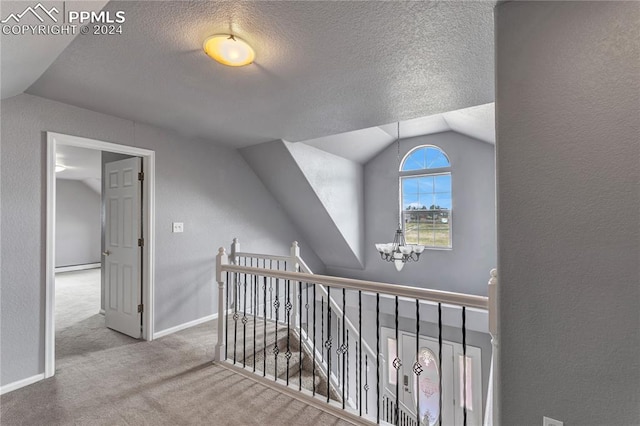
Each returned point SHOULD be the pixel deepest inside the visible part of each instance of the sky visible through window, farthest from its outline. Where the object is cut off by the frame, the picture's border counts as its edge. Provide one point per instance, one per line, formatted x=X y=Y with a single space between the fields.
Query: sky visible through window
x=426 y=197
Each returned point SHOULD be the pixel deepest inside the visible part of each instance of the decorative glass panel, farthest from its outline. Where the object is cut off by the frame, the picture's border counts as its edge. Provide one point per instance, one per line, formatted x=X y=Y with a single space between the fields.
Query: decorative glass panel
x=428 y=388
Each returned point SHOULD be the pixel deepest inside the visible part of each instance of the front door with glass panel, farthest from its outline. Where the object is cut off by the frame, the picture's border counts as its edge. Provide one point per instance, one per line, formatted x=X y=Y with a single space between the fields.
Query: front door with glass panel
x=423 y=392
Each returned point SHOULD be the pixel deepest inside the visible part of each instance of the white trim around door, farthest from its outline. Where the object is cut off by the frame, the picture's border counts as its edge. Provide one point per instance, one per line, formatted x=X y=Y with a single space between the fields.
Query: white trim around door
x=148 y=161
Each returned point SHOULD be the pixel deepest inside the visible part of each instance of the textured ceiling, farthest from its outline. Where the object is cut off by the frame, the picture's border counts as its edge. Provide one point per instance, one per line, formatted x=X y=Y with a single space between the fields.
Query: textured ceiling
x=322 y=68
x=25 y=57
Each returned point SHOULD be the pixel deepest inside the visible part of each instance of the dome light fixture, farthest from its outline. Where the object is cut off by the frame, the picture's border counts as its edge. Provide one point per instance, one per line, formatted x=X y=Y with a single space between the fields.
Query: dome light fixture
x=229 y=50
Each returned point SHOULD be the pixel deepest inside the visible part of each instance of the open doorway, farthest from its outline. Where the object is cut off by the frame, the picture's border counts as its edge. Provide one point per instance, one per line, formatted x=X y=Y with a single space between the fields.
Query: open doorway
x=99 y=246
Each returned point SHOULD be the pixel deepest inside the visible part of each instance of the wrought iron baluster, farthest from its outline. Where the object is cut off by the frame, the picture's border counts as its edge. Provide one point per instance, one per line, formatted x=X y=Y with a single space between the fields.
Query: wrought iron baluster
x=397 y=363
x=235 y=318
x=366 y=385
x=343 y=347
x=464 y=364
x=378 y=357
x=226 y=321
x=300 y=334
x=275 y=345
x=287 y=308
x=255 y=308
x=328 y=343
x=306 y=307
x=313 y=349
x=271 y=291
x=440 y=357
x=359 y=354
x=264 y=322
x=322 y=327
x=417 y=368
x=347 y=365
x=244 y=322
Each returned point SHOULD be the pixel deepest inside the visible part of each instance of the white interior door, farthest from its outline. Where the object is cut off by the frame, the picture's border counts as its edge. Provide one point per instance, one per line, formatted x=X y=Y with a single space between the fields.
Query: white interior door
x=123 y=281
x=426 y=391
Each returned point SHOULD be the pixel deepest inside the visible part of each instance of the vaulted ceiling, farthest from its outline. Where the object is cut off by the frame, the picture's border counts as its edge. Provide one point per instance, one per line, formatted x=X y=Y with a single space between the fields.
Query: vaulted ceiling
x=322 y=68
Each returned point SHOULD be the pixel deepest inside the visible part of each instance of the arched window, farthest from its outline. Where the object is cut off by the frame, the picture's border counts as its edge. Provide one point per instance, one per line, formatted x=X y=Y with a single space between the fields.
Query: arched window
x=425 y=177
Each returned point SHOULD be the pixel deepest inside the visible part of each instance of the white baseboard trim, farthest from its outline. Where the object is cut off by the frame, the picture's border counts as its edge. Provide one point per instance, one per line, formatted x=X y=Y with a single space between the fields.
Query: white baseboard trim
x=77 y=267
x=21 y=383
x=184 y=326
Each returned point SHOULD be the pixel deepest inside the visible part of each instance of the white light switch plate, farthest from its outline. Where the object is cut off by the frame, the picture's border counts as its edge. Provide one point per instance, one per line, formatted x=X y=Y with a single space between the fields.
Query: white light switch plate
x=547 y=421
x=178 y=227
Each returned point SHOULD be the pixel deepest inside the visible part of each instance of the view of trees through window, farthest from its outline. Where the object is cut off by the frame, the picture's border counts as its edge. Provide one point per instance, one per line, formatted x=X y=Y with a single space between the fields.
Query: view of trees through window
x=426 y=197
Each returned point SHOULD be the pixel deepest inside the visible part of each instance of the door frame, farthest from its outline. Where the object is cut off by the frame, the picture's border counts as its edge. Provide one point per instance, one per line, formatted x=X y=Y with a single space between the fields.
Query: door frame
x=148 y=226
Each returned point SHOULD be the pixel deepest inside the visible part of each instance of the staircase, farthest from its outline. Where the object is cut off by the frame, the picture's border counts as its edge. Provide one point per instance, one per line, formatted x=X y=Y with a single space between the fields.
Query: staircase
x=291 y=363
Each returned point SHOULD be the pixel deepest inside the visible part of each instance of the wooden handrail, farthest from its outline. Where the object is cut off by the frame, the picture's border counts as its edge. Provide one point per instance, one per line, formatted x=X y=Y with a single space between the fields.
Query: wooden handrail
x=438 y=296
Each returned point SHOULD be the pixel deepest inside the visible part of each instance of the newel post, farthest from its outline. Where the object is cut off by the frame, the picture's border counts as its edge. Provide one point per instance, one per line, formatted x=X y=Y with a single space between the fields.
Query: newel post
x=235 y=249
x=221 y=260
x=492 y=417
x=292 y=265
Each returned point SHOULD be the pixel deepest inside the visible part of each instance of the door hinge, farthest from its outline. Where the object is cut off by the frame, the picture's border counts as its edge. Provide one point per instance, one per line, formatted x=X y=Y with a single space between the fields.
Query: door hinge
x=140 y=308
x=140 y=242
x=141 y=176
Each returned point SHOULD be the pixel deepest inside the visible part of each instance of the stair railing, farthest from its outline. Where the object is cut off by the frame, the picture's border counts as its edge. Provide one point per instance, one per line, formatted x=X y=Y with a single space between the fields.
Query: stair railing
x=352 y=387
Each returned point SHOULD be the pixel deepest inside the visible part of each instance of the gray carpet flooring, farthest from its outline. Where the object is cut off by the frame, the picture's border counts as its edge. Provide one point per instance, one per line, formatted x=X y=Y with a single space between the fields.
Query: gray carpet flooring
x=105 y=378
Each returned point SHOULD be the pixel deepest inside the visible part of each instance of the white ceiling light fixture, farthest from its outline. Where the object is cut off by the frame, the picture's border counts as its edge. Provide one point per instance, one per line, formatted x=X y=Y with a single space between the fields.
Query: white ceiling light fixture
x=399 y=252
x=60 y=168
x=229 y=50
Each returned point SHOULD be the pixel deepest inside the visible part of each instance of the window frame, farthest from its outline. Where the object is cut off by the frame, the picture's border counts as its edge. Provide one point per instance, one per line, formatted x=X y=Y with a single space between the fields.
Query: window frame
x=436 y=171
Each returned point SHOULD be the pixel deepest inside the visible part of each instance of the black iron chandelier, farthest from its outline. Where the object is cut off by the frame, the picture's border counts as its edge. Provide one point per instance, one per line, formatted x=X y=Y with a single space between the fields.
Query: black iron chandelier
x=399 y=252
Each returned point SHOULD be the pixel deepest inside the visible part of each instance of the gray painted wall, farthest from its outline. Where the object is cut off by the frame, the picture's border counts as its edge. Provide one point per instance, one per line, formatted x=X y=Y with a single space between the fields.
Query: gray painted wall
x=276 y=166
x=466 y=267
x=339 y=185
x=208 y=187
x=568 y=155
x=77 y=223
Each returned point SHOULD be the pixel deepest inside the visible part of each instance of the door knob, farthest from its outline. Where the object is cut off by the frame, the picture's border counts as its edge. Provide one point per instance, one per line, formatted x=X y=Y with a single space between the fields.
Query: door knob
x=106 y=253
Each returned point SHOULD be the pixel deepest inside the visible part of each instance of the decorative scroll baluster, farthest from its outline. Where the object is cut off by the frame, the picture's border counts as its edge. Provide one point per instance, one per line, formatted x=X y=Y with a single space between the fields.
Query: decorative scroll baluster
x=397 y=363
x=235 y=319
x=328 y=343
x=306 y=306
x=287 y=308
x=366 y=385
x=255 y=309
x=244 y=322
x=417 y=368
x=347 y=365
x=264 y=323
x=313 y=347
x=276 y=305
x=300 y=333
x=226 y=322
x=343 y=347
